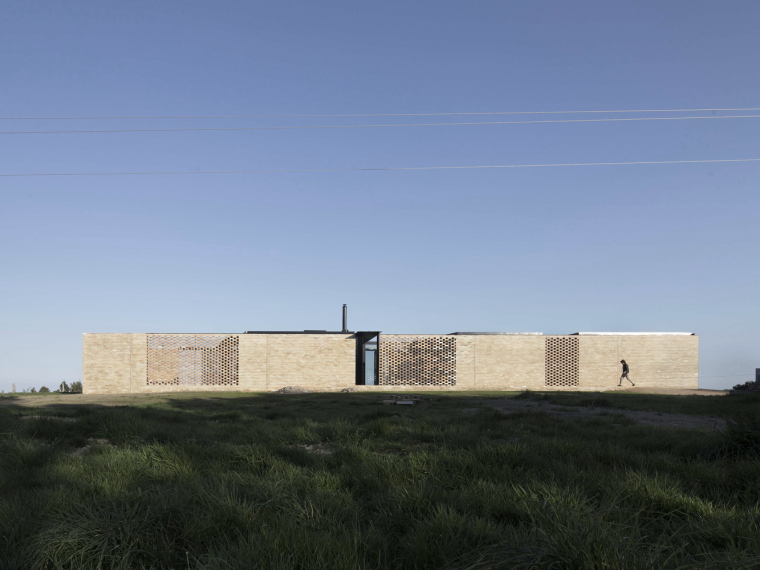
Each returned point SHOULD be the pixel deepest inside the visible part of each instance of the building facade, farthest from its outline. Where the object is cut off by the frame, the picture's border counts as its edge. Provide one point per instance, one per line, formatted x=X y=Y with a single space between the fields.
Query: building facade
x=322 y=360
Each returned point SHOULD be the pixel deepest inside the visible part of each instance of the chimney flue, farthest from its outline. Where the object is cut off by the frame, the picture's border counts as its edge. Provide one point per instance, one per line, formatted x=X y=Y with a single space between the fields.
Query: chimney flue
x=345 y=318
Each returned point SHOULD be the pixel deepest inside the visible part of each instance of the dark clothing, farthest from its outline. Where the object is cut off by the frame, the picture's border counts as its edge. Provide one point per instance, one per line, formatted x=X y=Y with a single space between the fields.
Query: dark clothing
x=625 y=374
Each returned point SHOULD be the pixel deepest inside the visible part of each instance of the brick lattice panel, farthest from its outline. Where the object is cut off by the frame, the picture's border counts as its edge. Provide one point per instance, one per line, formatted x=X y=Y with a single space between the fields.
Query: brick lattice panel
x=193 y=359
x=561 y=361
x=417 y=360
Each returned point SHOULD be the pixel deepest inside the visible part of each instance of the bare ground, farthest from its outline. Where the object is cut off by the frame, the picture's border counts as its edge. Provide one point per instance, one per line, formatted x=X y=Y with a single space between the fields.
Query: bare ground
x=511 y=406
x=670 y=391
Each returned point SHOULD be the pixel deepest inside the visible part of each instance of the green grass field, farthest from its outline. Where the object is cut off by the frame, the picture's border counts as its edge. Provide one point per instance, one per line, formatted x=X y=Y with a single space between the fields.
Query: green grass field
x=339 y=481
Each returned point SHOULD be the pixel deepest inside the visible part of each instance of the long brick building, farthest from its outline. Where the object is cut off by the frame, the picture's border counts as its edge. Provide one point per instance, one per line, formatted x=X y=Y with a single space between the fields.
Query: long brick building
x=324 y=360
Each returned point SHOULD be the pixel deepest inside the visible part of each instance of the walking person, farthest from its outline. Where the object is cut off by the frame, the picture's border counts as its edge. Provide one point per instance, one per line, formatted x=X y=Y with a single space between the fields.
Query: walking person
x=626 y=370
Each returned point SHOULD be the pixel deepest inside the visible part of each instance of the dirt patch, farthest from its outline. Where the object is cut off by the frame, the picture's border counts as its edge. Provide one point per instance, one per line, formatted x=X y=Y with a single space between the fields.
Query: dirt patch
x=511 y=406
x=292 y=390
x=318 y=448
x=80 y=451
x=670 y=391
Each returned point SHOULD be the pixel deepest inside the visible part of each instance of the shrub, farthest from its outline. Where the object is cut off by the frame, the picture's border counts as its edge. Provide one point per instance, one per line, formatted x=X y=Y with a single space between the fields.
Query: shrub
x=44 y=390
x=76 y=388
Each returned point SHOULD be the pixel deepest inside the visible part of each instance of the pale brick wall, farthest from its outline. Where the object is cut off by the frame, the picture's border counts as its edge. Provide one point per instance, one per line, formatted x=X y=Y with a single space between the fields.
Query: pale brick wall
x=509 y=362
x=466 y=363
x=117 y=363
x=517 y=362
x=253 y=362
x=139 y=372
x=106 y=363
x=599 y=358
x=320 y=361
x=663 y=361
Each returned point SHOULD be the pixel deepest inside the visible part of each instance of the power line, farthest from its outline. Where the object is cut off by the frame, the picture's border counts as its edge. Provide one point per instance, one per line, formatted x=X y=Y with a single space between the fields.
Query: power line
x=729 y=376
x=402 y=168
x=371 y=114
x=188 y=129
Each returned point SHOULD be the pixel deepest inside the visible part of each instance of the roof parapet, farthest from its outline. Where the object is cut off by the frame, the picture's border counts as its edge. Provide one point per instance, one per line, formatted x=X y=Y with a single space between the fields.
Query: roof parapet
x=498 y=333
x=632 y=333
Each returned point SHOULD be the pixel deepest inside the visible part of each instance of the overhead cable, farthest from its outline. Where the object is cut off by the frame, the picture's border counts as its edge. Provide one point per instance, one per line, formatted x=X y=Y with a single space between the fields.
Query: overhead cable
x=730 y=376
x=307 y=127
x=102 y=117
x=391 y=168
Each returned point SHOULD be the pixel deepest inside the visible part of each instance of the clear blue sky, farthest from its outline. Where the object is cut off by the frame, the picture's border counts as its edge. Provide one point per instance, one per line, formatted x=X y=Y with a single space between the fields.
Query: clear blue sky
x=557 y=250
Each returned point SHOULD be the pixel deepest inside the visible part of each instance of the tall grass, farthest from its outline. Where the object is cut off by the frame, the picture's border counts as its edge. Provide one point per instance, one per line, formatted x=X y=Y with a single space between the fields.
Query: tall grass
x=309 y=481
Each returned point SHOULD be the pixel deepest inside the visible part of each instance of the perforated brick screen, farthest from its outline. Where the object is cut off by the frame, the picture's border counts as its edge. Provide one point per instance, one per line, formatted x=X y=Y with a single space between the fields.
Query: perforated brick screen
x=561 y=361
x=193 y=359
x=417 y=360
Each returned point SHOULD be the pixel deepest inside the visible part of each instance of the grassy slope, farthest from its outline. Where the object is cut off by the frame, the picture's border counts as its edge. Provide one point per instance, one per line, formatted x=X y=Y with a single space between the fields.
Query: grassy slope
x=225 y=481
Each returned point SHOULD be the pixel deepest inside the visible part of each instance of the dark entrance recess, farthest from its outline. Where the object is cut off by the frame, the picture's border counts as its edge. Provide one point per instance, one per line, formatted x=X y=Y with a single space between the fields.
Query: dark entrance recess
x=367 y=363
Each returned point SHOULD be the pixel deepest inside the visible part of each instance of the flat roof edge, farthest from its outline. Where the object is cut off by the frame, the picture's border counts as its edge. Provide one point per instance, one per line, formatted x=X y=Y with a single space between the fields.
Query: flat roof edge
x=300 y=332
x=634 y=333
x=234 y=333
x=498 y=333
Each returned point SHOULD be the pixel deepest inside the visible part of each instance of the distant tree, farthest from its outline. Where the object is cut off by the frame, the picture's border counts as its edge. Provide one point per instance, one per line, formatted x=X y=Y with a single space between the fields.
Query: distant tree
x=33 y=390
x=64 y=389
x=44 y=390
x=76 y=387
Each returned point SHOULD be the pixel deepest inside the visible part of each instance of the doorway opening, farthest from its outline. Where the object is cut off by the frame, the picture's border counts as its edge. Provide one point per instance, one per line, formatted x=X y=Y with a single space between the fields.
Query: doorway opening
x=367 y=362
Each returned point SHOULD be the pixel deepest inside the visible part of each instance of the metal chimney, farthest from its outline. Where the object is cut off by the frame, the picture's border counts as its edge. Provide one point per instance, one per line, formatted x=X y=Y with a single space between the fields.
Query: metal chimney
x=345 y=318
